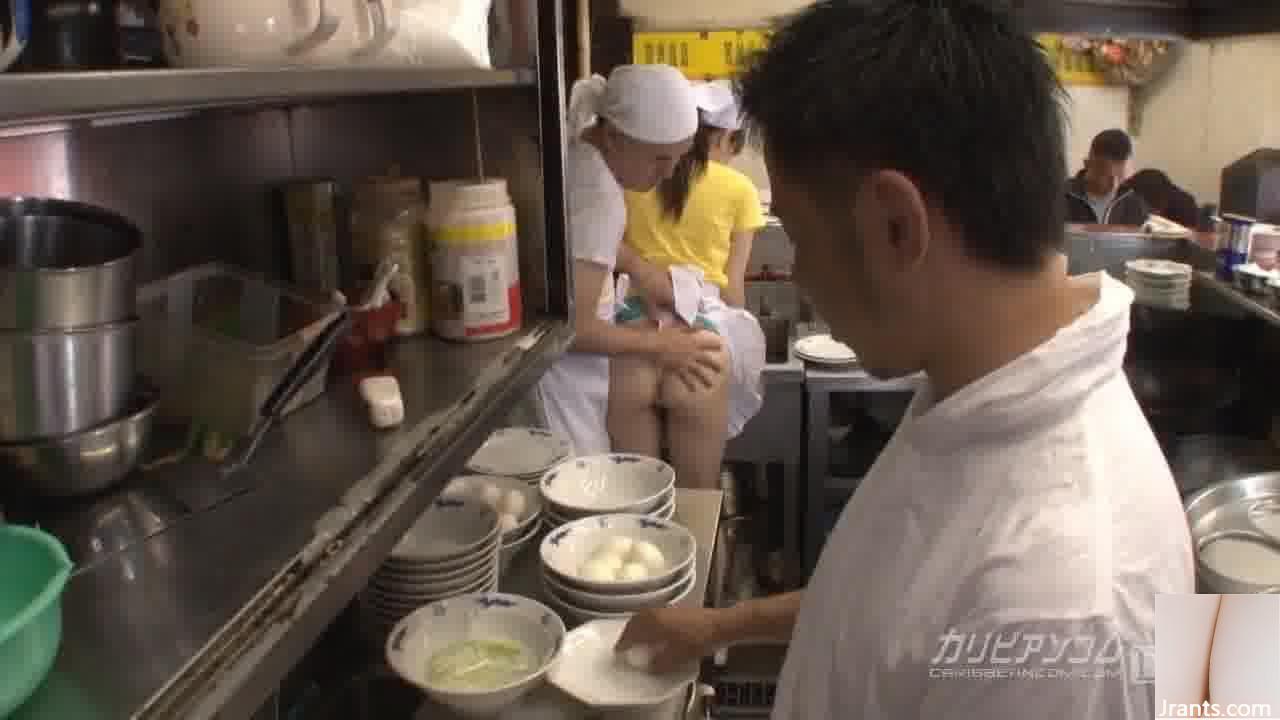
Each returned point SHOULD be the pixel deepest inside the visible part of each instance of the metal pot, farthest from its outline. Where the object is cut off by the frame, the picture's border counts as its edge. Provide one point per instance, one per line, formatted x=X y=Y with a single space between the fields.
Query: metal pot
x=64 y=265
x=1226 y=510
x=58 y=382
x=85 y=462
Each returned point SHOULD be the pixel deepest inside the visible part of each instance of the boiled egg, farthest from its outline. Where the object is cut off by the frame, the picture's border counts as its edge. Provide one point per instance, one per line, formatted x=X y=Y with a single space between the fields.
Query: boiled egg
x=633 y=571
x=492 y=496
x=597 y=571
x=514 y=503
x=507 y=522
x=611 y=559
x=648 y=554
x=619 y=545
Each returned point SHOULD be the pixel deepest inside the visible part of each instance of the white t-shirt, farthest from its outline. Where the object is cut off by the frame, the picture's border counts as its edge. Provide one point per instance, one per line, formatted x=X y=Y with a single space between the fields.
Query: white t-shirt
x=574 y=391
x=1023 y=526
x=597 y=214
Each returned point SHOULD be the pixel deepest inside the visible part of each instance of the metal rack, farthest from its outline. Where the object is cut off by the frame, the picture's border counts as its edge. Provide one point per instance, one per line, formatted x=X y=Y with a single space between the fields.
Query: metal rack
x=206 y=618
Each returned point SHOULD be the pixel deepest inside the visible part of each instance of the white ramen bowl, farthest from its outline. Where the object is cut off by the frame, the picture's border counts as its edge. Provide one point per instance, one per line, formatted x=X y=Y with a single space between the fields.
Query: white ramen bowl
x=612 y=483
x=430 y=629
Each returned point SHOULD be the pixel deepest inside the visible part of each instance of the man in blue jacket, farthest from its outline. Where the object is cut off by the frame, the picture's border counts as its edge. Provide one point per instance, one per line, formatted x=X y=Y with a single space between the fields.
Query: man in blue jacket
x=1095 y=196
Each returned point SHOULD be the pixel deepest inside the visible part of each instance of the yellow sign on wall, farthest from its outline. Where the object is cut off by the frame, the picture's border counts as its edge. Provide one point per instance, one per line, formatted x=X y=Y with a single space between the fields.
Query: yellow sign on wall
x=1072 y=66
x=720 y=54
x=699 y=55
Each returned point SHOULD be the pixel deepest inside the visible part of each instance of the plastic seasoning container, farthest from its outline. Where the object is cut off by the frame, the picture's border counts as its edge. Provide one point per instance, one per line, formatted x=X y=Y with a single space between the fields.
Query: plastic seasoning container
x=217 y=340
x=474 y=260
x=387 y=222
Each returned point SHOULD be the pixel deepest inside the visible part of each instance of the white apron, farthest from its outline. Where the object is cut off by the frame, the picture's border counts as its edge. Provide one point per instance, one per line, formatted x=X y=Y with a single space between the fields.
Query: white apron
x=573 y=396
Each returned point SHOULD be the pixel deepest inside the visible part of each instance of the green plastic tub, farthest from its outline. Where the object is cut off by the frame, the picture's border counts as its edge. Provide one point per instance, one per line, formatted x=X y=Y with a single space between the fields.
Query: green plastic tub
x=34 y=568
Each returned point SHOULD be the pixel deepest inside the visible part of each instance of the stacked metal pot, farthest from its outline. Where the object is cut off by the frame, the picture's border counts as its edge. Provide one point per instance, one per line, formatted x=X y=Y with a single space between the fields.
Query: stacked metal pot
x=74 y=415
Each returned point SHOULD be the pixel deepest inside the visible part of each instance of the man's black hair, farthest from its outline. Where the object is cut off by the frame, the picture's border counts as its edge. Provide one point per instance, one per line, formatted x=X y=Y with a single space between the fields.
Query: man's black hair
x=950 y=93
x=1113 y=145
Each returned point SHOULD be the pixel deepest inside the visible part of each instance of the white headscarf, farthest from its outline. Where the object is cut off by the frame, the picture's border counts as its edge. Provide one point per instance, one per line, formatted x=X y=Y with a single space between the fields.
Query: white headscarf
x=650 y=103
x=719 y=105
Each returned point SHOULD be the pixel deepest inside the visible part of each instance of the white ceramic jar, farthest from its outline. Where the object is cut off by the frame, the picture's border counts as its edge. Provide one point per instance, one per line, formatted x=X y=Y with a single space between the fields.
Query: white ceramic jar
x=475 y=269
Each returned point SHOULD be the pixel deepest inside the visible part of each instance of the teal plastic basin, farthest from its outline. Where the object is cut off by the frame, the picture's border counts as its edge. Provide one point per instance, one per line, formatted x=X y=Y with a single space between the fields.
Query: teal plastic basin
x=34 y=568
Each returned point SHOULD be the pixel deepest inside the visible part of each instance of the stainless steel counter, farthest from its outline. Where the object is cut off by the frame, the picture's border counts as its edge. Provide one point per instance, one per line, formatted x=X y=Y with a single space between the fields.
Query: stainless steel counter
x=206 y=616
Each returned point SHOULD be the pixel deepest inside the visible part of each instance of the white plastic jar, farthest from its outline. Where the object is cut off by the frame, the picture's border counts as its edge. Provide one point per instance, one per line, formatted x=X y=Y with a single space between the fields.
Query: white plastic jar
x=474 y=260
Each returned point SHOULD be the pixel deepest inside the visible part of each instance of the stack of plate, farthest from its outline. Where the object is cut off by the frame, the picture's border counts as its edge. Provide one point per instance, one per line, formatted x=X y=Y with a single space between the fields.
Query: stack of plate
x=518 y=504
x=824 y=350
x=451 y=550
x=1160 y=283
x=519 y=452
x=608 y=484
x=611 y=566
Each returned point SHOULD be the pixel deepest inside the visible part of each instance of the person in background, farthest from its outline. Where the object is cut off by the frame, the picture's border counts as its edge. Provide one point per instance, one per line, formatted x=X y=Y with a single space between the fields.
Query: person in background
x=1023 y=502
x=1096 y=196
x=627 y=133
x=701 y=222
x=1164 y=198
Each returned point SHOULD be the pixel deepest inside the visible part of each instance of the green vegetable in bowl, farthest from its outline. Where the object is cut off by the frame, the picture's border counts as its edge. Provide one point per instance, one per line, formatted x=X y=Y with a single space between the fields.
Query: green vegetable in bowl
x=479 y=665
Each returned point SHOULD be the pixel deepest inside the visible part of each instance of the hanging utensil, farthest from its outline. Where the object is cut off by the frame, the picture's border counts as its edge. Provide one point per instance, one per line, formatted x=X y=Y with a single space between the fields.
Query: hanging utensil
x=305 y=368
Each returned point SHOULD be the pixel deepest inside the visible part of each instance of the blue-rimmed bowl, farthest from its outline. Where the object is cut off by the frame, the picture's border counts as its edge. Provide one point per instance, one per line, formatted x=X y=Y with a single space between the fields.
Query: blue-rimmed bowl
x=432 y=628
x=566 y=549
x=606 y=484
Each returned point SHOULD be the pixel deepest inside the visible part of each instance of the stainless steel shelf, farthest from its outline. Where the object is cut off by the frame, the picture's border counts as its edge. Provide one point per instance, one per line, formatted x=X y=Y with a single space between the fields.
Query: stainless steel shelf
x=205 y=618
x=1257 y=306
x=27 y=98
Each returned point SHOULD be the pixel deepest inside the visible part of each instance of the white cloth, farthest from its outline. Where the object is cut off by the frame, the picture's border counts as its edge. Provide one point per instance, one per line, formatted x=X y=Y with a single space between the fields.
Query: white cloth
x=1032 y=506
x=574 y=392
x=719 y=105
x=650 y=103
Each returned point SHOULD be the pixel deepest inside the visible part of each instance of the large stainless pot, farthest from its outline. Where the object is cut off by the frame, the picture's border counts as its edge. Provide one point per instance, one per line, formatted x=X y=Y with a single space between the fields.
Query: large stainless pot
x=64 y=265
x=85 y=462
x=58 y=382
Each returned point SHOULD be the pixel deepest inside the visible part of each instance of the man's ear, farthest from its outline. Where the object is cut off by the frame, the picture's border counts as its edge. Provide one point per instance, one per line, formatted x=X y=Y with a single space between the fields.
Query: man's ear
x=897 y=213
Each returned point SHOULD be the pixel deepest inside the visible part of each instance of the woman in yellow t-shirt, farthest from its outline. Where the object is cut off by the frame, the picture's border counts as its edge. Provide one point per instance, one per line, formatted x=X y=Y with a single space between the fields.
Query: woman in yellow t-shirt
x=695 y=228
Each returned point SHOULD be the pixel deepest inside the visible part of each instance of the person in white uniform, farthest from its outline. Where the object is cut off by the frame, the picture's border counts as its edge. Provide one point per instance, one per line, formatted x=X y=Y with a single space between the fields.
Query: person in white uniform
x=1002 y=557
x=627 y=132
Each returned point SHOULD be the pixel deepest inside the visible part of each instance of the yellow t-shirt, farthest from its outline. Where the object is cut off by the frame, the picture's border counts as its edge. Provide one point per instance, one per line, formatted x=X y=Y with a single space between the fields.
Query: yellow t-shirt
x=722 y=201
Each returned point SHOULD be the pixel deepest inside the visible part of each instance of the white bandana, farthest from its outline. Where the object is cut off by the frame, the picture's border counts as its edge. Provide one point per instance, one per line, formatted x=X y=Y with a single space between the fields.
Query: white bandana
x=649 y=103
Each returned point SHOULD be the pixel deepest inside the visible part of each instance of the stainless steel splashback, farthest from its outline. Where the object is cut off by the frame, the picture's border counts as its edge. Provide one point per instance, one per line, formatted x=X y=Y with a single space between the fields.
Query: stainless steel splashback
x=198 y=184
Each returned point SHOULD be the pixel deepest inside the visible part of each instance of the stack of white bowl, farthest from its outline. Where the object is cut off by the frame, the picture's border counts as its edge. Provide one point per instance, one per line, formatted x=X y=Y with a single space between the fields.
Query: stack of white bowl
x=1159 y=283
x=611 y=566
x=518 y=504
x=615 y=483
x=519 y=452
x=451 y=550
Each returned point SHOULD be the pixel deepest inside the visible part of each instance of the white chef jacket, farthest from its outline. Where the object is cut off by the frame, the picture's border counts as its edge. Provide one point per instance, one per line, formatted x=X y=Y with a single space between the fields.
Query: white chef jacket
x=574 y=392
x=1001 y=531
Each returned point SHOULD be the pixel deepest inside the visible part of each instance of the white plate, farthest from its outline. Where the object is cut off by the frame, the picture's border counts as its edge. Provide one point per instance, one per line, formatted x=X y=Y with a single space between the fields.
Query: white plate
x=406 y=584
x=574 y=614
x=825 y=349
x=473 y=487
x=611 y=483
x=432 y=628
x=621 y=602
x=591 y=671
x=519 y=451
x=450 y=529
x=428 y=573
x=568 y=547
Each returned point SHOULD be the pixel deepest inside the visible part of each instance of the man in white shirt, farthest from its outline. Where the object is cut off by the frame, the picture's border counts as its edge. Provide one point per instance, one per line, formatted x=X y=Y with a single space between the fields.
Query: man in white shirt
x=1002 y=557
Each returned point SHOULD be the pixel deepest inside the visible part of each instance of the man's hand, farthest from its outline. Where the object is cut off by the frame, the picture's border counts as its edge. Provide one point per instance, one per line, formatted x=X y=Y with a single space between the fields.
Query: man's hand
x=677 y=636
x=650 y=280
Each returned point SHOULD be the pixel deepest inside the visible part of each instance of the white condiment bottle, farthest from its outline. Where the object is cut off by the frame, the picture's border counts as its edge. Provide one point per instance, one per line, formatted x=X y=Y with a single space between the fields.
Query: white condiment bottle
x=382 y=395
